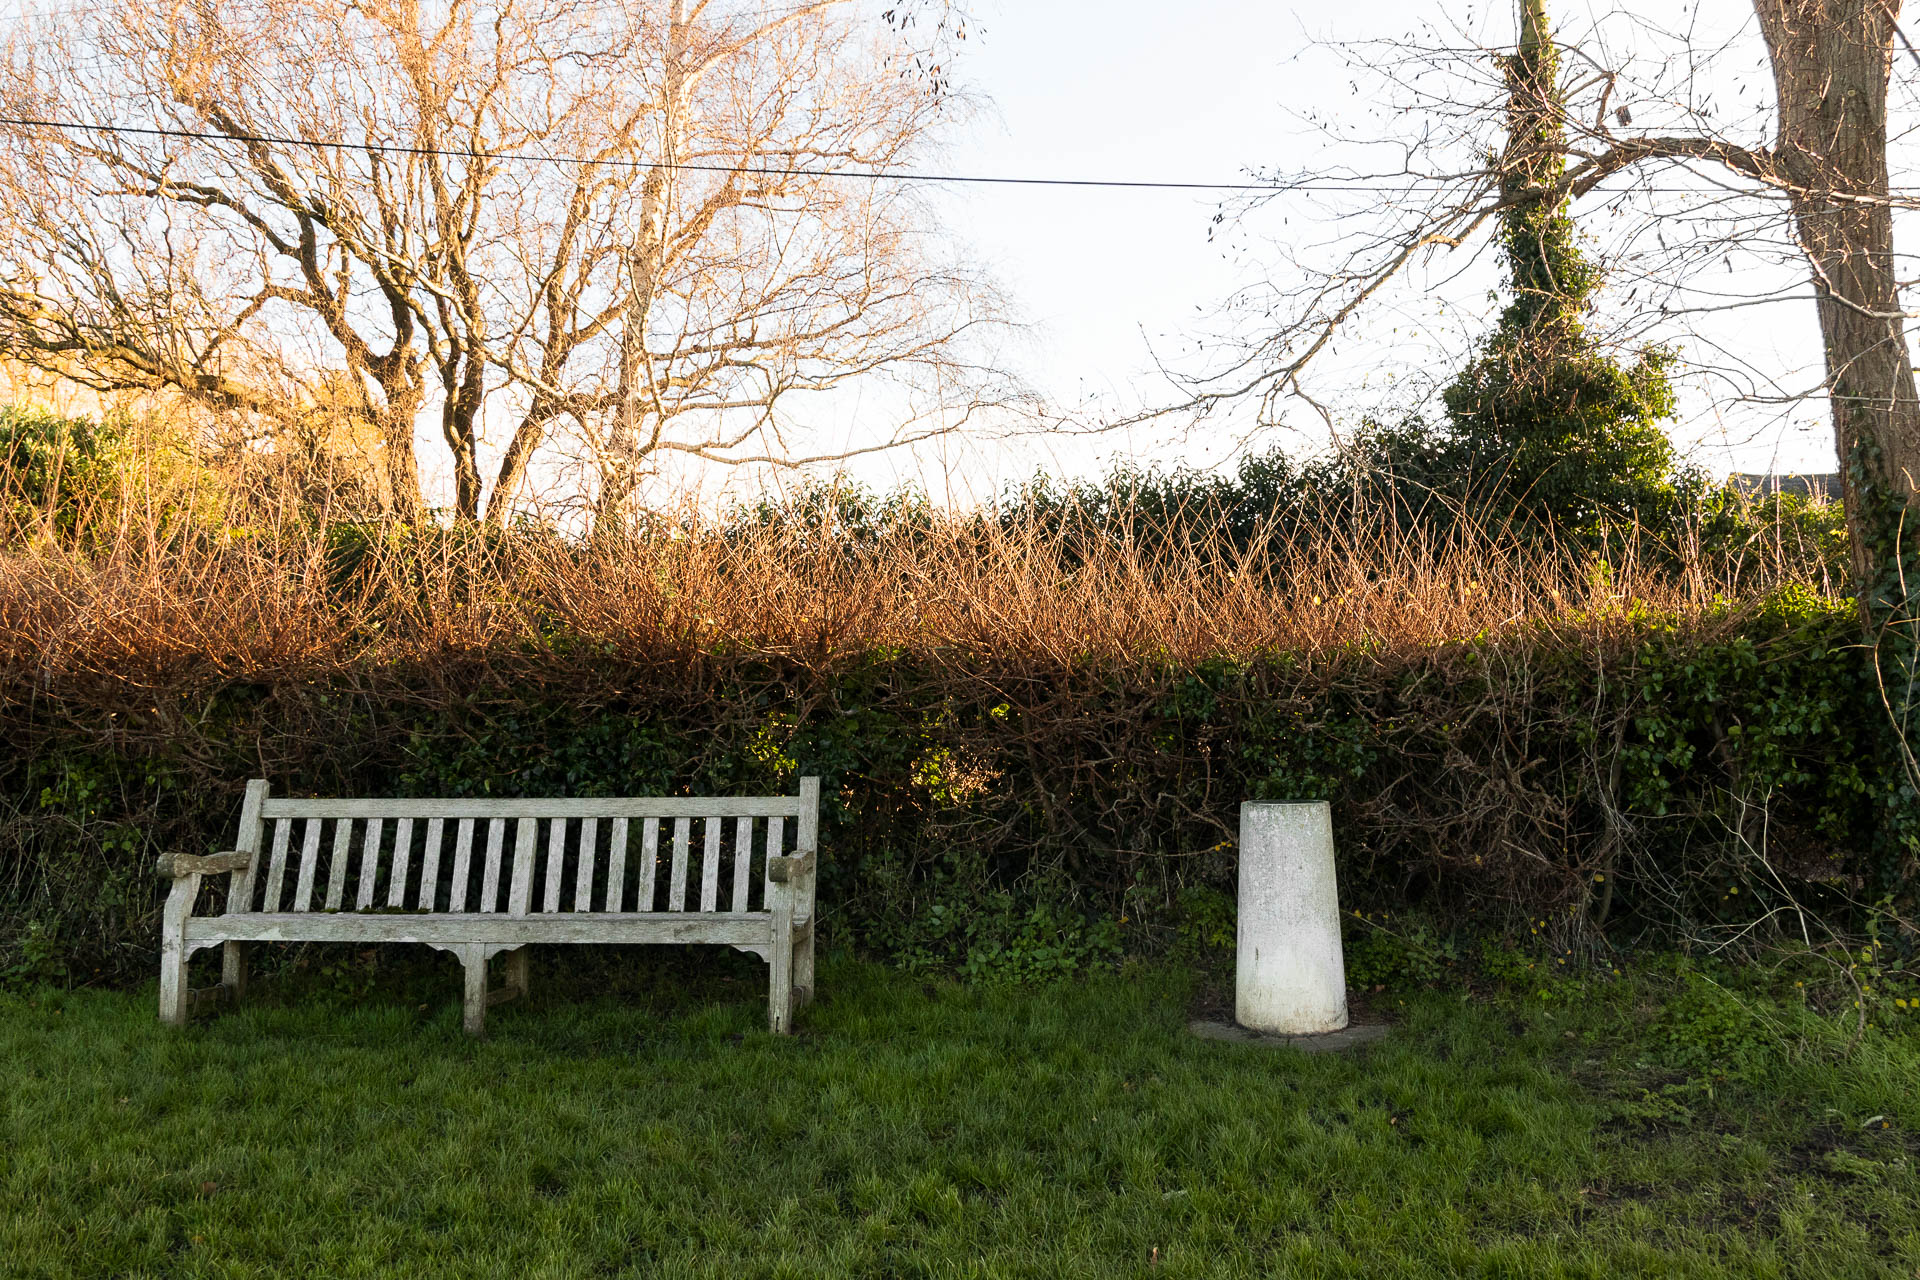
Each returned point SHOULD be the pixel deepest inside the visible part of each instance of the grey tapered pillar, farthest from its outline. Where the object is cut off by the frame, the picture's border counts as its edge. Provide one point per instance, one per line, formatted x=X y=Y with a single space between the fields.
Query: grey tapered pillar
x=1290 y=974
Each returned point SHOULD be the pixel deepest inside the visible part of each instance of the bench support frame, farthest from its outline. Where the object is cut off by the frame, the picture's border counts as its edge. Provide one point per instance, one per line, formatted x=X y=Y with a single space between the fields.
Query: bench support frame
x=782 y=934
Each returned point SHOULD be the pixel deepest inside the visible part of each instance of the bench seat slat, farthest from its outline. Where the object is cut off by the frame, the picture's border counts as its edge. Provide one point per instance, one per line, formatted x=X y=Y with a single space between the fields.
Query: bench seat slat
x=750 y=928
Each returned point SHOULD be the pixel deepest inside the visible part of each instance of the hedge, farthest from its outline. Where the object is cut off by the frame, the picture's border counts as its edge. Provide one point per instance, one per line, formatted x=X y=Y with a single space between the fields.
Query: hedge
x=1616 y=775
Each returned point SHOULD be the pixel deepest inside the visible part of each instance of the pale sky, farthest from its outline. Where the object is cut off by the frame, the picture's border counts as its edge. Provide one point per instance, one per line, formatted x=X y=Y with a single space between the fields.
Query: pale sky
x=1209 y=91
x=1206 y=92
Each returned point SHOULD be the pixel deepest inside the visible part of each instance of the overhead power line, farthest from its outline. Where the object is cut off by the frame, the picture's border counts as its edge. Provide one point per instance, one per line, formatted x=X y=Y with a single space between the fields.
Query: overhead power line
x=770 y=171
x=782 y=171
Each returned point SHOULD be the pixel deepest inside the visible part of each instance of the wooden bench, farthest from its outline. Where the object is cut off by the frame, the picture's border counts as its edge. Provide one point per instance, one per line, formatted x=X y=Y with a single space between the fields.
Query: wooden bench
x=479 y=877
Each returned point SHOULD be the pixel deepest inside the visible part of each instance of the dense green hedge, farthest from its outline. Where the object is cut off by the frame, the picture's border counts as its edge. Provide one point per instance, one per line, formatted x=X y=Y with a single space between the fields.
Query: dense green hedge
x=1015 y=816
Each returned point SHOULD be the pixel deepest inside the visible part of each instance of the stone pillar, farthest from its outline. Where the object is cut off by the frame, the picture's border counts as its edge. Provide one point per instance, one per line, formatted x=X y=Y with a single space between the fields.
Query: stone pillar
x=1291 y=977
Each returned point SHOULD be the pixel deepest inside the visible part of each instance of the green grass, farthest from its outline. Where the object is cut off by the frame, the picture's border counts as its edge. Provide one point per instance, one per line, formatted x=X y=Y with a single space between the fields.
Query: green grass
x=932 y=1129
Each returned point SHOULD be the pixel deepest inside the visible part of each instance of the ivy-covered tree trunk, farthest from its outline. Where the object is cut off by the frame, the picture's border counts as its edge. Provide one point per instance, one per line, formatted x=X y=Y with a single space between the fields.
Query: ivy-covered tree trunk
x=1570 y=432
x=1551 y=278
x=1831 y=61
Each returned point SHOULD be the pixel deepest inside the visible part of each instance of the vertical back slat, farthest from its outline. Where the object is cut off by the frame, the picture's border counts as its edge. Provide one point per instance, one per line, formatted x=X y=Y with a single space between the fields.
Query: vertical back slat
x=710 y=866
x=277 y=866
x=649 y=861
x=617 y=867
x=677 y=887
x=337 y=868
x=462 y=865
x=369 y=864
x=496 y=849
x=430 y=866
x=742 y=861
x=309 y=861
x=583 y=870
x=522 y=868
x=402 y=861
x=556 y=859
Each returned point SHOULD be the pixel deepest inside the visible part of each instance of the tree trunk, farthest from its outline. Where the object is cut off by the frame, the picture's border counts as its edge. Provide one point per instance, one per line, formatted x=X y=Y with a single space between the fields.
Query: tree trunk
x=403 y=471
x=621 y=458
x=1831 y=61
x=459 y=415
x=513 y=463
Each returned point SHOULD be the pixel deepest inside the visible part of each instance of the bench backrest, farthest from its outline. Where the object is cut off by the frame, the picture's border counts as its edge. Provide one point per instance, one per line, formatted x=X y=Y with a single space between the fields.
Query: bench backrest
x=518 y=857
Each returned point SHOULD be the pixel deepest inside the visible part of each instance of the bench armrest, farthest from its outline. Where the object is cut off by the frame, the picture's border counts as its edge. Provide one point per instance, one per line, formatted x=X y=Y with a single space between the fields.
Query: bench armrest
x=788 y=870
x=175 y=866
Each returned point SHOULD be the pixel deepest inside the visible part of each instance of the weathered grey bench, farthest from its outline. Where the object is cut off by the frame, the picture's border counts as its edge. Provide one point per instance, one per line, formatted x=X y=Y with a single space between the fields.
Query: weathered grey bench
x=387 y=874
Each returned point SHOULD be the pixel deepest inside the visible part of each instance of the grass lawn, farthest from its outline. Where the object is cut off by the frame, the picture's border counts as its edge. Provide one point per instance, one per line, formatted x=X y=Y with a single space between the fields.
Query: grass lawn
x=929 y=1129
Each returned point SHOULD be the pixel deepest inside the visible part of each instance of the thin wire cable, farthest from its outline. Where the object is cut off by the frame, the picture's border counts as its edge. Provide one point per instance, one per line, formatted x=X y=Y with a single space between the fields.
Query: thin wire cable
x=770 y=171
x=776 y=171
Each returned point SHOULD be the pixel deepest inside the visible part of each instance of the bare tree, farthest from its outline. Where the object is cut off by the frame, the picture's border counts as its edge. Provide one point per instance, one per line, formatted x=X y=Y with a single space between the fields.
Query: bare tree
x=644 y=221
x=749 y=264
x=1824 y=172
x=213 y=251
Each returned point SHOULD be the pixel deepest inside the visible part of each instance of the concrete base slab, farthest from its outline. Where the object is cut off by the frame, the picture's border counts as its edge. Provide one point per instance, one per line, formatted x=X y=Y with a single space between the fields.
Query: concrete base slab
x=1331 y=1042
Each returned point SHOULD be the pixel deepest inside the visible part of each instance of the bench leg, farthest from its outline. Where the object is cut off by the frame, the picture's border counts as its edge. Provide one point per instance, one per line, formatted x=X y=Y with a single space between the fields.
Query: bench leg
x=780 y=972
x=175 y=999
x=517 y=970
x=803 y=966
x=780 y=994
x=473 y=960
x=233 y=970
x=173 y=979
